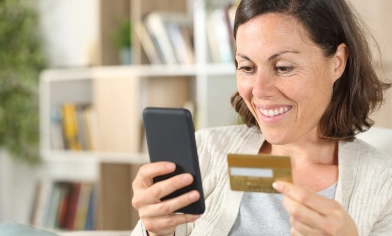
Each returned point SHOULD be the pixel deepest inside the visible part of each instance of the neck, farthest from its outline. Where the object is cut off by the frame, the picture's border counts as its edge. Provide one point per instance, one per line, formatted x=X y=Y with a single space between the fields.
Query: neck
x=314 y=164
x=311 y=151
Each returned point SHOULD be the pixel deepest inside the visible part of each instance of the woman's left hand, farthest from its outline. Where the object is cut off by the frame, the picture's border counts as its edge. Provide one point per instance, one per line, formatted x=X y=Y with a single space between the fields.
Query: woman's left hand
x=312 y=214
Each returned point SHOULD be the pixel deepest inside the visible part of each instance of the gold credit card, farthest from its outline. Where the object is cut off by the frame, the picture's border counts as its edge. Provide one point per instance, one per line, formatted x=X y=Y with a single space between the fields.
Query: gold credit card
x=256 y=173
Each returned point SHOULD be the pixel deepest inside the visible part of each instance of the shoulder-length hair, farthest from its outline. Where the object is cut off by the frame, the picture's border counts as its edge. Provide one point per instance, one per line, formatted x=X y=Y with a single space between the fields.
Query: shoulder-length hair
x=328 y=23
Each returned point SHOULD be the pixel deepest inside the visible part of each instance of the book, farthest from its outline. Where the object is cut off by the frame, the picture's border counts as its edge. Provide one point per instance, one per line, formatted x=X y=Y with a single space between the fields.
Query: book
x=222 y=36
x=155 y=23
x=52 y=208
x=70 y=126
x=82 y=206
x=177 y=27
x=81 y=126
x=74 y=127
x=59 y=206
x=91 y=127
x=213 y=51
x=153 y=55
x=64 y=204
x=219 y=38
x=229 y=19
x=92 y=209
x=72 y=206
x=42 y=195
x=56 y=130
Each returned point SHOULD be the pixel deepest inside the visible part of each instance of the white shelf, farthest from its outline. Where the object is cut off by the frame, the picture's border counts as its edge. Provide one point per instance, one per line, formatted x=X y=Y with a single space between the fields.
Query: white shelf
x=137 y=71
x=98 y=157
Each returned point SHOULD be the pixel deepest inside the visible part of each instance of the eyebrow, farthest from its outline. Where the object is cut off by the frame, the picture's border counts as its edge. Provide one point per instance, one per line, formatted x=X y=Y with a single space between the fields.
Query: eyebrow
x=280 y=53
x=271 y=57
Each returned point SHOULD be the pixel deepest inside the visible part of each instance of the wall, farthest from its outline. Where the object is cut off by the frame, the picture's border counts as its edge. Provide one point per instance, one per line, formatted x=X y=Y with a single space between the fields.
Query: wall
x=17 y=187
x=377 y=15
x=70 y=30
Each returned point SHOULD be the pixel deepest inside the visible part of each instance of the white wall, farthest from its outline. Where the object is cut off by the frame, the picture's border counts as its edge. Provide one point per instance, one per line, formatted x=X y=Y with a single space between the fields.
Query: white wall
x=70 y=30
x=377 y=16
x=17 y=188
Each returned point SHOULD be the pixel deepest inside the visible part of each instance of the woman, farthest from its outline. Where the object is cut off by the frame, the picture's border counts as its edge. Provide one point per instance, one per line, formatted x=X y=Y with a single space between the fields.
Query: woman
x=306 y=86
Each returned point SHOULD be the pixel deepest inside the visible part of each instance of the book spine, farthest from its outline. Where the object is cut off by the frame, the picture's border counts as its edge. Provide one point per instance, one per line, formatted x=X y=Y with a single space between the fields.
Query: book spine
x=156 y=27
x=70 y=126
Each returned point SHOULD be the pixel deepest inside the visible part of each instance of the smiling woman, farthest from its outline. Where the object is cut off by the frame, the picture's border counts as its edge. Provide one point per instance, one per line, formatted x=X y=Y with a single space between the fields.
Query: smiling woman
x=306 y=87
x=315 y=25
x=289 y=86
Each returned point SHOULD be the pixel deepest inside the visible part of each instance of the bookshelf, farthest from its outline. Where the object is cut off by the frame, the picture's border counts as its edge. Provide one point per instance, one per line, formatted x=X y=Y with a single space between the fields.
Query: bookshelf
x=117 y=95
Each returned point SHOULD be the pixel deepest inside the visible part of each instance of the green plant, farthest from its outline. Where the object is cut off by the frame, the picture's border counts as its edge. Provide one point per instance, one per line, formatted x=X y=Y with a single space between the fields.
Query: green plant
x=122 y=36
x=21 y=60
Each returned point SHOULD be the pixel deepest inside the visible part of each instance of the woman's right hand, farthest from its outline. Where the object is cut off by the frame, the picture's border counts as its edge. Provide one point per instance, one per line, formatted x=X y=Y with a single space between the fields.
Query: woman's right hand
x=157 y=216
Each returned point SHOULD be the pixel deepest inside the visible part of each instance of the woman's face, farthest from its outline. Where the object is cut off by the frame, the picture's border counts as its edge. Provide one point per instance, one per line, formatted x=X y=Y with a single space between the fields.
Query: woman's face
x=284 y=78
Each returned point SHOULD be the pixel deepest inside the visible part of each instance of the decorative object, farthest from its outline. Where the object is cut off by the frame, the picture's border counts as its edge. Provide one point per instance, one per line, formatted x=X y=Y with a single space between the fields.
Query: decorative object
x=122 y=41
x=21 y=60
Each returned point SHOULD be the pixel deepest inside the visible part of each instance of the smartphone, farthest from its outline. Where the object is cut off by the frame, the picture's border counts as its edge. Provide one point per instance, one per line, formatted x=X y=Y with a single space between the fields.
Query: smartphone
x=170 y=137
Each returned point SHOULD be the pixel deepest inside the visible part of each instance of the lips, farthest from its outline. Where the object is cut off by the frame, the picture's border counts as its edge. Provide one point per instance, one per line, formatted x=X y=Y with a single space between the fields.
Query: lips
x=275 y=111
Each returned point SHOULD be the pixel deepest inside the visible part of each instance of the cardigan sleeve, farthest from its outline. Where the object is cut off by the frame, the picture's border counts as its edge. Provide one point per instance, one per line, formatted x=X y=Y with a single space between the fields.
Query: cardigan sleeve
x=384 y=225
x=139 y=230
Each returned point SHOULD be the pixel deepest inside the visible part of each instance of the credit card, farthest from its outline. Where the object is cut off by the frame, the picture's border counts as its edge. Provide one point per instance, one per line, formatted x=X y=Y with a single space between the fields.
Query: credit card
x=256 y=173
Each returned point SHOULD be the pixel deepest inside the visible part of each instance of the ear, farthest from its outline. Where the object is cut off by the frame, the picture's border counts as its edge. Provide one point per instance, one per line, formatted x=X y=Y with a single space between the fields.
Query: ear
x=340 y=60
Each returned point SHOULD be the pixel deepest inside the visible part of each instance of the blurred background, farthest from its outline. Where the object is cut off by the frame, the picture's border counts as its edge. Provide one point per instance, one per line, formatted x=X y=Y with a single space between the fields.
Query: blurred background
x=75 y=76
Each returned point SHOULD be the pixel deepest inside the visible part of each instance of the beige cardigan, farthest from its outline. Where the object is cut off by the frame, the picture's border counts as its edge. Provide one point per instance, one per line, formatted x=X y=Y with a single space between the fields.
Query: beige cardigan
x=364 y=185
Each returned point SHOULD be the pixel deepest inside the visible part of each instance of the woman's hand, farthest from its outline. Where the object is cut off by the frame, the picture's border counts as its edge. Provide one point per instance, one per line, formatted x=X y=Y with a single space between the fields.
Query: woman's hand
x=312 y=214
x=157 y=216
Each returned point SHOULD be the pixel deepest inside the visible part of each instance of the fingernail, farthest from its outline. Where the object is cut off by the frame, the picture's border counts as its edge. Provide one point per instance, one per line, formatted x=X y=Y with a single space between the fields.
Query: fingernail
x=170 y=166
x=186 y=179
x=195 y=217
x=277 y=186
x=192 y=196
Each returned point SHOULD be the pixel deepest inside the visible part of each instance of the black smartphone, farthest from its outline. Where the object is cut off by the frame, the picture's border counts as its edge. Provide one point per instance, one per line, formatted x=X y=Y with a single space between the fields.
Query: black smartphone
x=170 y=137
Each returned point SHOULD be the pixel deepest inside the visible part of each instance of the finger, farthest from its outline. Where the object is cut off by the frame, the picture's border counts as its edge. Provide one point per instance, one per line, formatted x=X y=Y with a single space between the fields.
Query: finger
x=168 y=206
x=306 y=197
x=165 y=187
x=294 y=232
x=302 y=214
x=148 y=171
x=301 y=228
x=167 y=223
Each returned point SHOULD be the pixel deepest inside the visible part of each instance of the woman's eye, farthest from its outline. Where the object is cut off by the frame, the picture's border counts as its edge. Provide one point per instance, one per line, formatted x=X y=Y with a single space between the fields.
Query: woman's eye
x=284 y=69
x=246 y=69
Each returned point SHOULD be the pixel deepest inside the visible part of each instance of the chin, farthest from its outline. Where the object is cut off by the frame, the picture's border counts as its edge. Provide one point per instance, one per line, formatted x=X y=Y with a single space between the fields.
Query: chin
x=275 y=139
x=277 y=136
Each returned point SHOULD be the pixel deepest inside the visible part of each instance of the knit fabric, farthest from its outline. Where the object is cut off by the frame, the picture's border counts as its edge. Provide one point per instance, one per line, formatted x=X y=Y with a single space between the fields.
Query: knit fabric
x=364 y=186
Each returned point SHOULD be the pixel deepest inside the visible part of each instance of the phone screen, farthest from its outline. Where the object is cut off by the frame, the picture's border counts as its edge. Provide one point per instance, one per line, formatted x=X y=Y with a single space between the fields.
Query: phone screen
x=170 y=137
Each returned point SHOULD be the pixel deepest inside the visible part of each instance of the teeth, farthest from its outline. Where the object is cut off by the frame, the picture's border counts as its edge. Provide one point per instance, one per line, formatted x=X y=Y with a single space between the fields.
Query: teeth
x=274 y=112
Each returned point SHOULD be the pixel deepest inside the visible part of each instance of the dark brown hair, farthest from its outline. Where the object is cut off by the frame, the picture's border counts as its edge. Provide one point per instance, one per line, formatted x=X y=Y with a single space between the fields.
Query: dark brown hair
x=329 y=23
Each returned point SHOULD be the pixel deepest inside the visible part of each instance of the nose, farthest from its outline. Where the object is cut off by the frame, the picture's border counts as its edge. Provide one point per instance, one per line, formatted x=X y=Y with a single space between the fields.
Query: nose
x=263 y=86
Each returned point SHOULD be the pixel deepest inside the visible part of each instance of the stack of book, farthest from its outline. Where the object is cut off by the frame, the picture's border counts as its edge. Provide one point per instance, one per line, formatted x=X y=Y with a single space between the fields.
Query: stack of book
x=166 y=37
x=220 y=37
x=74 y=127
x=66 y=205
